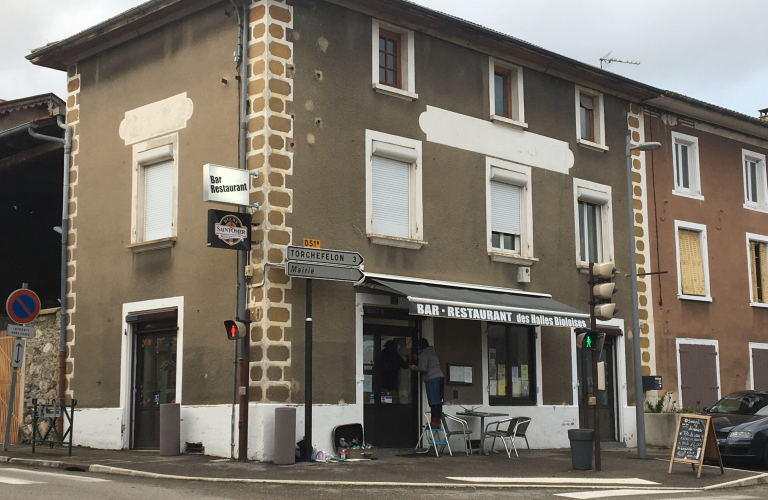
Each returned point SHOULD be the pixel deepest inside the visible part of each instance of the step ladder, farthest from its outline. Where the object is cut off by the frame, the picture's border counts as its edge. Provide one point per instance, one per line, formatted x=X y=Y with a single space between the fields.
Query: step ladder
x=435 y=437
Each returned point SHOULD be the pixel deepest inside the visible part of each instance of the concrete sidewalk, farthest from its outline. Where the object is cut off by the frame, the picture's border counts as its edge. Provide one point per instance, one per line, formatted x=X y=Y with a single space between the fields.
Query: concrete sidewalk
x=540 y=468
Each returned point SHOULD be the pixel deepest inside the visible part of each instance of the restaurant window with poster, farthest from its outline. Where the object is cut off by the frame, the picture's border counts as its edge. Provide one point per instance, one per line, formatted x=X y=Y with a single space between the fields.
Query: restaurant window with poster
x=511 y=364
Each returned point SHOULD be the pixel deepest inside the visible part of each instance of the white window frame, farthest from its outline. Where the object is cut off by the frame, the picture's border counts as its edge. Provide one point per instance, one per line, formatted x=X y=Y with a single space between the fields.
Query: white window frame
x=407 y=66
x=416 y=241
x=599 y=118
x=702 y=230
x=518 y=175
x=679 y=341
x=516 y=93
x=137 y=197
x=758 y=238
x=754 y=345
x=694 y=171
x=762 y=191
x=587 y=191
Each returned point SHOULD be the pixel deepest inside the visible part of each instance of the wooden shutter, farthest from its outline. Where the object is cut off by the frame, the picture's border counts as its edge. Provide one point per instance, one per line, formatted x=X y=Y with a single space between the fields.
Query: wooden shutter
x=505 y=208
x=158 y=201
x=698 y=376
x=753 y=270
x=760 y=369
x=763 y=271
x=390 y=213
x=691 y=266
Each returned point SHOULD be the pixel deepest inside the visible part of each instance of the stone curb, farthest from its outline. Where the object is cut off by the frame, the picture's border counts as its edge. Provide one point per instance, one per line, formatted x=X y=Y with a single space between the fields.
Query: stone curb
x=106 y=469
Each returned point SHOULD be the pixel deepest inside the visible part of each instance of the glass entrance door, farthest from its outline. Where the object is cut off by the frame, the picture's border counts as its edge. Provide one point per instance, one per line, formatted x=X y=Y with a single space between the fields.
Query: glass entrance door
x=390 y=388
x=154 y=381
x=606 y=399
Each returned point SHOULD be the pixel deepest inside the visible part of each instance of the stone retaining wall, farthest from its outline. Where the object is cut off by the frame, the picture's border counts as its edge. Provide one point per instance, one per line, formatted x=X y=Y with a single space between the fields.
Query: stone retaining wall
x=41 y=365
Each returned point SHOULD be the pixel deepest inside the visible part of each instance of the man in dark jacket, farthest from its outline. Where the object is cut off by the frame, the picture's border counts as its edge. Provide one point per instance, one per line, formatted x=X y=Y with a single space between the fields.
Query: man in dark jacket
x=434 y=381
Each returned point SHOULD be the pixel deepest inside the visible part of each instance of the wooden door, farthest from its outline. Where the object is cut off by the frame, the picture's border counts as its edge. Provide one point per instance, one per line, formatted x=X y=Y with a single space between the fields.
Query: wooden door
x=6 y=346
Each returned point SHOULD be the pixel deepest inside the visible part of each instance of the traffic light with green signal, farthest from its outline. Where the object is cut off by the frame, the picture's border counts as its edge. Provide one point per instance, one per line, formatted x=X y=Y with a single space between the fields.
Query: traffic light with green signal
x=590 y=339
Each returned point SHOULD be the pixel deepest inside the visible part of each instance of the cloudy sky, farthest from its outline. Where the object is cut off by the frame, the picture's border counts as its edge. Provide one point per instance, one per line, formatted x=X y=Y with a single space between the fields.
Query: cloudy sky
x=713 y=50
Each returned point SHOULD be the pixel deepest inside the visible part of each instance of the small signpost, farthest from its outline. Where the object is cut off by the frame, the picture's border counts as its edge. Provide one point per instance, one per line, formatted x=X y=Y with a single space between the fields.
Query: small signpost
x=22 y=306
x=311 y=262
x=695 y=441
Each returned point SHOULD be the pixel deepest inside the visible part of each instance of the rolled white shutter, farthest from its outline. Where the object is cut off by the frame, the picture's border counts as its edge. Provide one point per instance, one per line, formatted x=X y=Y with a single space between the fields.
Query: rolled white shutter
x=505 y=208
x=391 y=197
x=158 y=201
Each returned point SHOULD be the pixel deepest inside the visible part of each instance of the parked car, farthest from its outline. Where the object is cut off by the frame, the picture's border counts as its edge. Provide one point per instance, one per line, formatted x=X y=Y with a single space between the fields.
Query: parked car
x=741 y=425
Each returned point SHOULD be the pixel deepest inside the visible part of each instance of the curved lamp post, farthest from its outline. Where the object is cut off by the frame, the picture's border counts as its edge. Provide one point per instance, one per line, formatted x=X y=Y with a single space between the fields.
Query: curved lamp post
x=639 y=399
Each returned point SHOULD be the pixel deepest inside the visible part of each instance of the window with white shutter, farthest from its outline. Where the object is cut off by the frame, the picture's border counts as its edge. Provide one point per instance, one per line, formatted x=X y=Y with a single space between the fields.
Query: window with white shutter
x=158 y=201
x=505 y=216
x=508 y=212
x=692 y=265
x=153 y=220
x=393 y=190
x=391 y=214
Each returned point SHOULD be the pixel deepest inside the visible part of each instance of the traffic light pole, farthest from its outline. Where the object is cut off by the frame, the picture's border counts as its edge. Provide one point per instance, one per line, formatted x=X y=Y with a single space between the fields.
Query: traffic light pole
x=593 y=327
x=308 y=376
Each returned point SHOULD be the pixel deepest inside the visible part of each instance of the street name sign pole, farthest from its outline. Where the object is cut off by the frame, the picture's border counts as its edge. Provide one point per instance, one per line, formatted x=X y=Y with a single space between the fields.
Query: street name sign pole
x=318 y=263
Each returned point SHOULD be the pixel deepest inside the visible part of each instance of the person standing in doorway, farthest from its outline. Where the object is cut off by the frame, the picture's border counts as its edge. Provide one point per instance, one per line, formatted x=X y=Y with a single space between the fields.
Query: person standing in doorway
x=434 y=380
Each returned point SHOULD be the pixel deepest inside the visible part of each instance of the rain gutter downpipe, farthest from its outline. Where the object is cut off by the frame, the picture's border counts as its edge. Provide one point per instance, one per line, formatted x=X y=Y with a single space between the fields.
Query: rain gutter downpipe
x=67 y=143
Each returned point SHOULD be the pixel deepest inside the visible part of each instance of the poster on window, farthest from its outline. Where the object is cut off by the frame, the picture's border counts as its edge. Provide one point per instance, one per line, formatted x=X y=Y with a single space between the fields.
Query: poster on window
x=517 y=388
x=514 y=374
x=525 y=389
x=524 y=372
x=491 y=371
x=501 y=387
x=492 y=387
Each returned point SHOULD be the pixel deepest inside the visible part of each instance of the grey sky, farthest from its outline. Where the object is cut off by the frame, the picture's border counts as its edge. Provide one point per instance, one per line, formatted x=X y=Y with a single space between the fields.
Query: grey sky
x=713 y=50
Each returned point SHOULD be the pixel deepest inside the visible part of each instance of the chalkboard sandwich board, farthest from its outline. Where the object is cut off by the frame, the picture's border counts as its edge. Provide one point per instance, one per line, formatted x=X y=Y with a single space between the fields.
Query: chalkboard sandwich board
x=695 y=441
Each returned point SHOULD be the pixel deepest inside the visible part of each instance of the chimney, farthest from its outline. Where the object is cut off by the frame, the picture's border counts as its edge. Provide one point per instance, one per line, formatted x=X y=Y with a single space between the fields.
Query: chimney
x=764 y=114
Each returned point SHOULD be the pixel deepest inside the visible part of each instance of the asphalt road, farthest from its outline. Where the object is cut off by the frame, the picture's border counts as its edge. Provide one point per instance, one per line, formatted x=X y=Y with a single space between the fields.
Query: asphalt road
x=25 y=483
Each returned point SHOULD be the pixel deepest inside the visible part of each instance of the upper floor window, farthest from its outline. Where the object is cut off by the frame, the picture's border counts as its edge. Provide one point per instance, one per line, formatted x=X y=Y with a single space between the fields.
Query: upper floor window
x=692 y=261
x=393 y=190
x=754 y=180
x=685 y=157
x=590 y=119
x=510 y=224
x=506 y=93
x=154 y=213
x=758 y=269
x=594 y=222
x=393 y=61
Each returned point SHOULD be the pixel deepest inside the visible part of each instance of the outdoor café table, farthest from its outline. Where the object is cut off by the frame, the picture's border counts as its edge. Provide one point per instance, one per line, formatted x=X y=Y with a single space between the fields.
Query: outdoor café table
x=481 y=415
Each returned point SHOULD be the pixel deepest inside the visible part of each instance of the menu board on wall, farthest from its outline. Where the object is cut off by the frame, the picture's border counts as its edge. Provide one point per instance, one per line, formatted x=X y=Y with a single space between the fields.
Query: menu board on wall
x=695 y=442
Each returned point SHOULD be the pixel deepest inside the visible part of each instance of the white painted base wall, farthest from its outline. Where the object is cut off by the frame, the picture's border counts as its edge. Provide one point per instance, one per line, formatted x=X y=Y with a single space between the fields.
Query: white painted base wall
x=210 y=425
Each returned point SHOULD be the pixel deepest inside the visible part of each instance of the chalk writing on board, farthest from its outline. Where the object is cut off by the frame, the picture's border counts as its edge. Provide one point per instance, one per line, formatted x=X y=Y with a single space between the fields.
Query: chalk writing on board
x=690 y=438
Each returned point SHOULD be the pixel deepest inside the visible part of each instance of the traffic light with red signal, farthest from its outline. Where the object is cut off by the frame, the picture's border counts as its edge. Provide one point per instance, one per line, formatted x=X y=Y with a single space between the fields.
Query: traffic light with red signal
x=235 y=329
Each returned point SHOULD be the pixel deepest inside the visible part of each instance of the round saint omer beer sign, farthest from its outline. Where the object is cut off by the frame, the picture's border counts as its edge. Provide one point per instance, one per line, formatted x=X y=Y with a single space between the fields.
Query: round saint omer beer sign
x=231 y=230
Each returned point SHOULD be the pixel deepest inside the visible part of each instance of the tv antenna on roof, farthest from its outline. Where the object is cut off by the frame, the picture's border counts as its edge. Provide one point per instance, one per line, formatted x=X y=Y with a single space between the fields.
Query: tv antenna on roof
x=607 y=60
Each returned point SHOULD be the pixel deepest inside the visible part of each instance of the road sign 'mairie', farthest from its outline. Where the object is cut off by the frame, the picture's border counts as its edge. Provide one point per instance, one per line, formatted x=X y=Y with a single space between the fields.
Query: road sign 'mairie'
x=23 y=306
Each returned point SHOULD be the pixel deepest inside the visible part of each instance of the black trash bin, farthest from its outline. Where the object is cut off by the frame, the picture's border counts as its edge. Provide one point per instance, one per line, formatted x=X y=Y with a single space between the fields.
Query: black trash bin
x=582 y=443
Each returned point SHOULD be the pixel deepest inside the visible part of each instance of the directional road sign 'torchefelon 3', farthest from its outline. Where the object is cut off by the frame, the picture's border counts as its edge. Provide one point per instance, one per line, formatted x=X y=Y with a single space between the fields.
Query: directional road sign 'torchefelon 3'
x=323 y=264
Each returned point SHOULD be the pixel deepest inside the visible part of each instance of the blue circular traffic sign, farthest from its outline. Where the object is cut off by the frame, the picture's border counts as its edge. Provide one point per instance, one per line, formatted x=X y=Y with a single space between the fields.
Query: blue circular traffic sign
x=23 y=306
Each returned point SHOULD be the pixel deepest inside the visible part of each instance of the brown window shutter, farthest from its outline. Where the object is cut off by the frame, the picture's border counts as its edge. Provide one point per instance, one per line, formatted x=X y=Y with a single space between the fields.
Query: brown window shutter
x=763 y=271
x=691 y=266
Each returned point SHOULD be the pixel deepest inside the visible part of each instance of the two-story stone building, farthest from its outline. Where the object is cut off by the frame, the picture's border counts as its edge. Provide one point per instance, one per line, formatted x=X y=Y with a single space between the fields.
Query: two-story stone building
x=477 y=174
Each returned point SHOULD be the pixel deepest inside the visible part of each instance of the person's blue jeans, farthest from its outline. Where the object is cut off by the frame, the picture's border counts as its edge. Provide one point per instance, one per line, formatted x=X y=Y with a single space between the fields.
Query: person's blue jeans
x=435 y=394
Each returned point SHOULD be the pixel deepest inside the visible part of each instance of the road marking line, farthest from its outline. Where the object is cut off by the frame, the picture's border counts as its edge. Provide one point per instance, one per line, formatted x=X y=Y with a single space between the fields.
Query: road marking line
x=723 y=497
x=13 y=480
x=581 y=495
x=86 y=479
x=556 y=480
